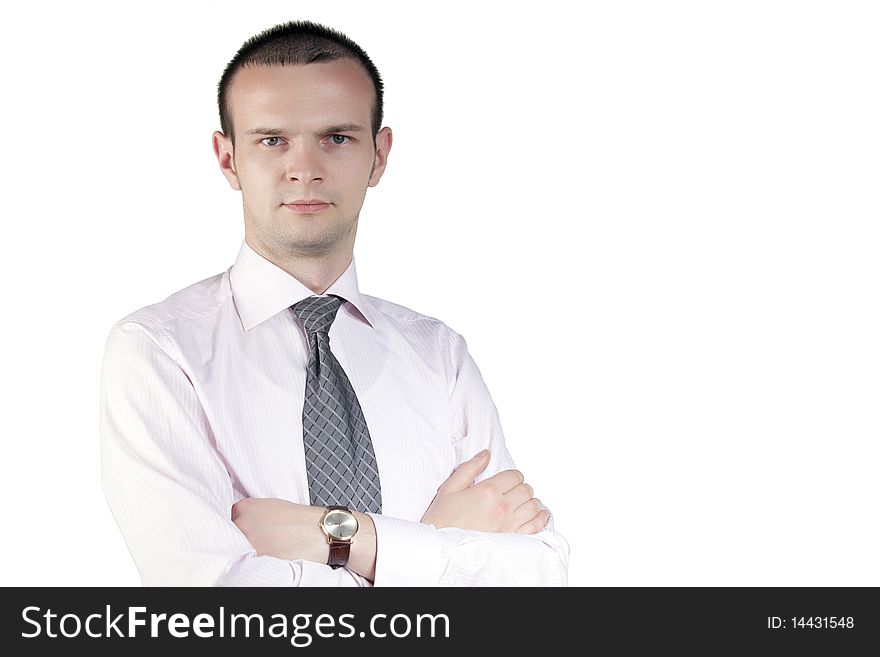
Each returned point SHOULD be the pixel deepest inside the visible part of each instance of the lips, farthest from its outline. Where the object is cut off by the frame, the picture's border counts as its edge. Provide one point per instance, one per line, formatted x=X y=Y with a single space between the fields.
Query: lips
x=307 y=206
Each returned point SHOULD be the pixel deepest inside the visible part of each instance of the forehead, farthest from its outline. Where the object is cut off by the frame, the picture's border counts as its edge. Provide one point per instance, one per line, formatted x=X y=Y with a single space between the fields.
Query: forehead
x=335 y=91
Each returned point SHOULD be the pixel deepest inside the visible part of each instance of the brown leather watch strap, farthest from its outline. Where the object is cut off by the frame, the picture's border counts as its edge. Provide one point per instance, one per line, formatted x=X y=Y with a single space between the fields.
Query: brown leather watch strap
x=339 y=551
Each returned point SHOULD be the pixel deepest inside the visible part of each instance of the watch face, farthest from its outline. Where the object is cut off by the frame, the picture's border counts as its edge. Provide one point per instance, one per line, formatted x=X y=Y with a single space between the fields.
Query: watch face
x=340 y=524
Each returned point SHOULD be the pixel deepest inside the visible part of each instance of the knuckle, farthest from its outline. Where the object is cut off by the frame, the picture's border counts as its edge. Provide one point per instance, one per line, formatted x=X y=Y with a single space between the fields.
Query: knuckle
x=501 y=509
x=530 y=489
x=498 y=509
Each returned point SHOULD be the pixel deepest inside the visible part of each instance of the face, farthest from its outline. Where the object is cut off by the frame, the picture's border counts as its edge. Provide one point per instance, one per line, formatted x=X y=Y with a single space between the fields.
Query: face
x=302 y=133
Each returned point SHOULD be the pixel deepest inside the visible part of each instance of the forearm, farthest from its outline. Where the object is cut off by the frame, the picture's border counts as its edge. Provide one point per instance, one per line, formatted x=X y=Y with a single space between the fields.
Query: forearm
x=286 y=530
x=205 y=550
x=473 y=558
x=417 y=554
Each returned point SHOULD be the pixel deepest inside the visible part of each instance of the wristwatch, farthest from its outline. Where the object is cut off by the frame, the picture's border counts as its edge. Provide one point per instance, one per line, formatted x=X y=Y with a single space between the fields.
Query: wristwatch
x=340 y=526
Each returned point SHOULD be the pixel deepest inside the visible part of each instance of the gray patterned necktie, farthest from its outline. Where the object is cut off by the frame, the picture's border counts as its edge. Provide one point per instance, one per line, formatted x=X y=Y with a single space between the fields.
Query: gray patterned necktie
x=340 y=462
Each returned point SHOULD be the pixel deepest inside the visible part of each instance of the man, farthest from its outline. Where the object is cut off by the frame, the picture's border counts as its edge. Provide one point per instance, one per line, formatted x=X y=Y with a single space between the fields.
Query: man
x=271 y=425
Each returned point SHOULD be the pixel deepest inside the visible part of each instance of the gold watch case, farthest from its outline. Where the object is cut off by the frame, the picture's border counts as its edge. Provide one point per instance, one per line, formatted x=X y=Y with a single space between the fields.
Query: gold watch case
x=339 y=524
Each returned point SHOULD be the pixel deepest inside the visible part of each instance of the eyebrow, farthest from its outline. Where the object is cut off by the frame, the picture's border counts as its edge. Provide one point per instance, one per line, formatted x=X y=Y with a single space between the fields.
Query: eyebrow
x=342 y=127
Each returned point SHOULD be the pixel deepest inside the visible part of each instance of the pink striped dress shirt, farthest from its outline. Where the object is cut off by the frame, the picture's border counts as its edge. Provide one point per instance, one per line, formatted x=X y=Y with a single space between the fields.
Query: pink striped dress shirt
x=201 y=406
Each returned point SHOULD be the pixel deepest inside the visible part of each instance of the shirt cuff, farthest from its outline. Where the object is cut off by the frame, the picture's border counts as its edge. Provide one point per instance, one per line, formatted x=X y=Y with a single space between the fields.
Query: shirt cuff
x=407 y=552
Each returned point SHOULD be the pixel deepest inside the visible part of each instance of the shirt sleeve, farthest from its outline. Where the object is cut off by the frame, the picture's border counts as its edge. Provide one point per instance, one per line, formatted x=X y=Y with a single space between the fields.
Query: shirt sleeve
x=417 y=554
x=165 y=482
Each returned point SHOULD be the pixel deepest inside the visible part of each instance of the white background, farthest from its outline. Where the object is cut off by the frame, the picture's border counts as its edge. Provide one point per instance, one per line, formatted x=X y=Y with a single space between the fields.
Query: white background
x=656 y=225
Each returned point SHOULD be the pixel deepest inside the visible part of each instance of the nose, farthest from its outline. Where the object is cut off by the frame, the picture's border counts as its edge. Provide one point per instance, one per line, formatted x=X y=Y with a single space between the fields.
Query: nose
x=303 y=162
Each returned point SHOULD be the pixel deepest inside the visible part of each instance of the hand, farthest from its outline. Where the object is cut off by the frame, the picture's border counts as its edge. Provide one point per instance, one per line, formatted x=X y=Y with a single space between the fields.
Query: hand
x=282 y=529
x=501 y=503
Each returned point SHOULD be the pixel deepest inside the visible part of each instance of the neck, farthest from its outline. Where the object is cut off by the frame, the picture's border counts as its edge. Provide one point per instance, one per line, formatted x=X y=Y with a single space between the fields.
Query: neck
x=316 y=273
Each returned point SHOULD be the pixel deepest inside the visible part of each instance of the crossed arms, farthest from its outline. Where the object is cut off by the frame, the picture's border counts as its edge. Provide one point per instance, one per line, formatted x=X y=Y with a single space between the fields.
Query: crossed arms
x=502 y=503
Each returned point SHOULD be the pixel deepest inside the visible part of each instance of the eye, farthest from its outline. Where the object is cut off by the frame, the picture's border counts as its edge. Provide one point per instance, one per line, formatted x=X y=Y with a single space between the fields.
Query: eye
x=334 y=138
x=264 y=140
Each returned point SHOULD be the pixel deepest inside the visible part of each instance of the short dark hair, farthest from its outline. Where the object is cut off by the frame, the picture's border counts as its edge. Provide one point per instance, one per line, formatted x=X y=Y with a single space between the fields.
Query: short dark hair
x=289 y=44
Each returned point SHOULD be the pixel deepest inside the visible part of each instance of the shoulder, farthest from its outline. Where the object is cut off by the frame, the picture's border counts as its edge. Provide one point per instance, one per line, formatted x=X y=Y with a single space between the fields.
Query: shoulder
x=437 y=344
x=195 y=304
x=408 y=320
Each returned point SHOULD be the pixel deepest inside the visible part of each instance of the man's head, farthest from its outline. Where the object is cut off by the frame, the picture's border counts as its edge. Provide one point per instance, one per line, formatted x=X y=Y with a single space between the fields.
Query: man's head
x=301 y=111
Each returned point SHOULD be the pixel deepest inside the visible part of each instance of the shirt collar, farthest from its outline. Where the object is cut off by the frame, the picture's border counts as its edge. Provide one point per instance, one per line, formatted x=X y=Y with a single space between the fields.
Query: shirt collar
x=261 y=289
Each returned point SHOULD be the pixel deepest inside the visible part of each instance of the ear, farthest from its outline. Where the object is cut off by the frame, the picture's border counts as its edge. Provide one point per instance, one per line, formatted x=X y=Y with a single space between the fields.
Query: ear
x=383 y=147
x=224 y=151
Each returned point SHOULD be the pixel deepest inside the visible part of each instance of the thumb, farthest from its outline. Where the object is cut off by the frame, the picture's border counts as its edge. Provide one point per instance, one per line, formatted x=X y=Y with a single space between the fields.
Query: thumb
x=464 y=474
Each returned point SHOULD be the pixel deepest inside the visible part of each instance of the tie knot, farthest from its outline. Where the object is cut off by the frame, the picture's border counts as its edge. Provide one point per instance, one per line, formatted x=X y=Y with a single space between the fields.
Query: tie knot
x=317 y=313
